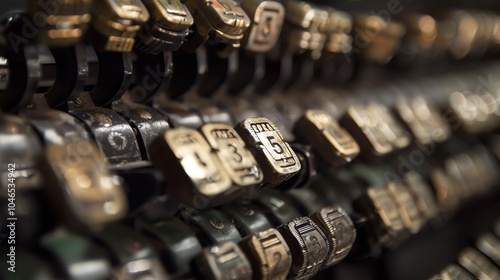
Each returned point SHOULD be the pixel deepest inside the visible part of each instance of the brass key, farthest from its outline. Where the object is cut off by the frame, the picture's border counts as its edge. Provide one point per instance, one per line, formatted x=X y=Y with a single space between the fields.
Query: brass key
x=118 y=22
x=340 y=231
x=192 y=172
x=309 y=246
x=269 y=254
x=267 y=19
x=234 y=156
x=223 y=19
x=168 y=26
x=328 y=139
x=275 y=157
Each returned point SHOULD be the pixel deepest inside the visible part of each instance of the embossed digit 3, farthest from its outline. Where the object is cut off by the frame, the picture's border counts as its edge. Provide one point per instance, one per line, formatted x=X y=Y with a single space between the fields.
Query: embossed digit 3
x=237 y=156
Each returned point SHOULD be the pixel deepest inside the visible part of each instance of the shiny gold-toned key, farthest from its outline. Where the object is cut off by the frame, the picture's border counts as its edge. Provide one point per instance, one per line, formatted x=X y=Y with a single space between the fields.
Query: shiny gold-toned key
x=277 y=160
x=192 y=172
x=489 y=245
x=423 y=120
x=306 y=26
x=330 y=141
x=309 y=246
x=364 y=126
x=118 y=22
x=422 y=193
x=267 y=20
x=339 y=28
x=269 y=254
x=478 y=264
x=224 y=261
x=339 y=229
x=66 y=21
x=233 y=154
x=167 y=27
x=77 y=178
x=223 y=19
x=407 y=207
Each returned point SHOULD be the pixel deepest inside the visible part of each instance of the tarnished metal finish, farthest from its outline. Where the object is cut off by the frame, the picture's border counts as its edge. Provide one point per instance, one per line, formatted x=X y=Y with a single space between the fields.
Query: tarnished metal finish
x=339 y=229
x=479 y=265
x=66 y=21
x=113 y=134
x=333 y=143
x=223 y=19
x=267 y=19
x=224 y=261
x=269 y=254
x=118 y=22
x=214 y=227
x=148 y=124
x=167 y=27
x=247 y=218
x=275 y=157
x=308 y=244
x=233 y=154
x=190 y=169
x=78 y=179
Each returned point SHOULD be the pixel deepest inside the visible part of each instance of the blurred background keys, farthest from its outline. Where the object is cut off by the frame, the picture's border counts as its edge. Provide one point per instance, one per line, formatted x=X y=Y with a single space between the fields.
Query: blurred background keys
x=66 y=21
x=78 y=180
x=273 y=154
x=267 y=20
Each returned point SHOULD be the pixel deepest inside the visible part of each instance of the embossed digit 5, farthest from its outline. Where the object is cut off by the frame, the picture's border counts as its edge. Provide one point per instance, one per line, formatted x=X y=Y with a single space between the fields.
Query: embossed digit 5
x=275 y=145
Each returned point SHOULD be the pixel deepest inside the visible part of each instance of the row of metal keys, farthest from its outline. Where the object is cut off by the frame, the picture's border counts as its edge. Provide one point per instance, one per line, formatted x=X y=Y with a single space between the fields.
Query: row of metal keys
x=480 y=261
